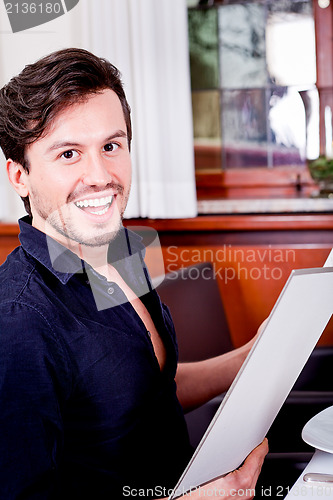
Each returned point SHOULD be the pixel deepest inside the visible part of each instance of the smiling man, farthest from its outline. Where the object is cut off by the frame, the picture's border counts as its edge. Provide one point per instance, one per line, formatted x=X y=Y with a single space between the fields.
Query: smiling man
x=91 y=395
x=89 y=171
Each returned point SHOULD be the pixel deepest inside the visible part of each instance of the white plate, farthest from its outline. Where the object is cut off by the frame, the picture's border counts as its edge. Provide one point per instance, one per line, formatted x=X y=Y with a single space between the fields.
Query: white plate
x=321 y=463
x=318 y=432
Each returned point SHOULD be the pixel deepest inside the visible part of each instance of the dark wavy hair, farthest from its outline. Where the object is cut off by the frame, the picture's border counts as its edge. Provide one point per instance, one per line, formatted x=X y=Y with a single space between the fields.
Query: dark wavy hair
x=30 y=101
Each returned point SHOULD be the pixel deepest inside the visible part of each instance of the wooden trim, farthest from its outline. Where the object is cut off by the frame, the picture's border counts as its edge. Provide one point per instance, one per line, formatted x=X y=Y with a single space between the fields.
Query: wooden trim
x=324 y=59
x=260 y=222
x=239 y=223
x=323 y=19
x=207 y=157
x=255 y=177
x=9 y=229
x=278 y=182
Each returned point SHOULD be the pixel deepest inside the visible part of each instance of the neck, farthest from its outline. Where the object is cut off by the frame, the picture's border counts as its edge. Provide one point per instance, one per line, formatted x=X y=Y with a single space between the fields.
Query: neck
x=96 y=257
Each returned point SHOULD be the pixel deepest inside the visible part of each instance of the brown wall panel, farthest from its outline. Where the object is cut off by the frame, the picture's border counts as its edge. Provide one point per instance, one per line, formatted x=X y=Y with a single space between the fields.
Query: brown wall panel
x=250 y=278
x=252 y=257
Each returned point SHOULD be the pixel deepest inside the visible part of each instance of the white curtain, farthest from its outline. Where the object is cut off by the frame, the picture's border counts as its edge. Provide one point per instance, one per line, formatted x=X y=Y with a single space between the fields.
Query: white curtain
x=147 y=41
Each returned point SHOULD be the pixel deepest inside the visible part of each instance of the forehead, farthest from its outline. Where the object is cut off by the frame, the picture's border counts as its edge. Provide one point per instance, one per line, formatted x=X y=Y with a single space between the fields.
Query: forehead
x=91 y=115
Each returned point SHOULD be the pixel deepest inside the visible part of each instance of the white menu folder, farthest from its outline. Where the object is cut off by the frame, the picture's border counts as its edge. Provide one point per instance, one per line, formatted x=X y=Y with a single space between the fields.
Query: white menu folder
x=329 y=260
x=265 y=379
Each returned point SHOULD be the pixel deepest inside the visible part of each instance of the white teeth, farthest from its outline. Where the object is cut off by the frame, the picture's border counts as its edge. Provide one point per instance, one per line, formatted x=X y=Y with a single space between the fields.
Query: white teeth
x=102 y=212
x=97 y=202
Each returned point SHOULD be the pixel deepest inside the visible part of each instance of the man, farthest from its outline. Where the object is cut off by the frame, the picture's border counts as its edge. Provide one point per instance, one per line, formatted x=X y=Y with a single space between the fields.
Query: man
x=92 y=400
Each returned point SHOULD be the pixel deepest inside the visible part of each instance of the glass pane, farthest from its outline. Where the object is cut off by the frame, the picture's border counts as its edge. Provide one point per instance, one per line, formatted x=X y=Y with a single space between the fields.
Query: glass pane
x=207 y=129
x=206 y=116
x=291 y=6
x=265 y=127
x=203 y=40
x=257 y=58
x=290 y=43
x=242 y=45
x=244 y=129
x=287 y=122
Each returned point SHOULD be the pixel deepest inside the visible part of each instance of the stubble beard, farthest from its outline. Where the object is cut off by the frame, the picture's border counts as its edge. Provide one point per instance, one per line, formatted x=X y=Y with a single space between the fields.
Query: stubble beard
x=61 y=223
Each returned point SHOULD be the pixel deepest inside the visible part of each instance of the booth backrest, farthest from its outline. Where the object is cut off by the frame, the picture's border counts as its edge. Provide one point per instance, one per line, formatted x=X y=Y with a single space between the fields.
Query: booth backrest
x=193 y=297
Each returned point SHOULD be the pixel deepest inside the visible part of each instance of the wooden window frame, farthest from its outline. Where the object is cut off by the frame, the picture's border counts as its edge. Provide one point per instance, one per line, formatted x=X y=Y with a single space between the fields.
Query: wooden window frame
x=277 y=182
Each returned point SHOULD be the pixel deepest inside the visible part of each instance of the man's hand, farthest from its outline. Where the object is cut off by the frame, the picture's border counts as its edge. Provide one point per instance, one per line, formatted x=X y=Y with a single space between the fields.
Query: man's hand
x=240 y=483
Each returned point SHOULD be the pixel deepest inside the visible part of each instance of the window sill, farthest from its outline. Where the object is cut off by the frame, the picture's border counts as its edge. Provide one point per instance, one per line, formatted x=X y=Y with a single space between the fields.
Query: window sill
x=255 y=183
x=265 y=206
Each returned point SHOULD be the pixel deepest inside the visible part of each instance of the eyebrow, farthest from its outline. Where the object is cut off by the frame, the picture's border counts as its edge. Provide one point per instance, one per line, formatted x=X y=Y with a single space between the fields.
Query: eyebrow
x=69 y=144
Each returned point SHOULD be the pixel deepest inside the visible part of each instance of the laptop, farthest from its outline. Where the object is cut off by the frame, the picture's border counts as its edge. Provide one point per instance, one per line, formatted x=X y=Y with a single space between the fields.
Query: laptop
x=265 y=379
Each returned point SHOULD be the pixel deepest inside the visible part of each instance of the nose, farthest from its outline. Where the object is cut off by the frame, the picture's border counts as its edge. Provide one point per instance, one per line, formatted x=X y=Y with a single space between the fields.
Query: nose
x=97 y=171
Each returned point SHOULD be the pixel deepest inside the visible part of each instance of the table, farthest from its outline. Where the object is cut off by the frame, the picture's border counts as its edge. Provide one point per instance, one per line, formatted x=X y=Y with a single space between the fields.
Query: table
x=318 y=432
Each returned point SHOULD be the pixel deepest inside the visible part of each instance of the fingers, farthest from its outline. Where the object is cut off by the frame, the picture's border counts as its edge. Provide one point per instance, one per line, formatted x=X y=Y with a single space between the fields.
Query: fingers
x=240 y=484
x=253 y=463
x=258 y=333
x=262 y=326
x=245 y=478
x=258 y=453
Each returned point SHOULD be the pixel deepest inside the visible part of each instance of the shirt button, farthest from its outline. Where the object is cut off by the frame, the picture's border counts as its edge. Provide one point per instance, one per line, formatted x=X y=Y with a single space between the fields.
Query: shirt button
x=110 y=290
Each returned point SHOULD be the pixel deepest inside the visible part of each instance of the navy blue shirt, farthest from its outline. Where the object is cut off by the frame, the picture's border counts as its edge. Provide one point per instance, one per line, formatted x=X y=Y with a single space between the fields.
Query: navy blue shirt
x=85 y=410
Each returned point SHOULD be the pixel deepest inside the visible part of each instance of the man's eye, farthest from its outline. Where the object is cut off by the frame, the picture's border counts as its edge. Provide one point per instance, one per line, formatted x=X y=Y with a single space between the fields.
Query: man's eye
x=110 y=147
x=68 y=155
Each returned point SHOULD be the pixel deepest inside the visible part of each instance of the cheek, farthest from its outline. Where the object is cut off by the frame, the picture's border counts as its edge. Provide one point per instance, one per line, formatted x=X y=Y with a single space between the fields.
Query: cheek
x=126 y=172
x=62 y=183
x=52 y=191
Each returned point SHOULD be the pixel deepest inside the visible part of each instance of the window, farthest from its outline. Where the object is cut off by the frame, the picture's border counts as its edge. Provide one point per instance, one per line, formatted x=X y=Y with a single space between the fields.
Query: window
x=255 y=96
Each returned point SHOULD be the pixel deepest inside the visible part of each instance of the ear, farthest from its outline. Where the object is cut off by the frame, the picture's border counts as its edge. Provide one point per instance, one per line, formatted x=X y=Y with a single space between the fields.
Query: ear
x=17 y=177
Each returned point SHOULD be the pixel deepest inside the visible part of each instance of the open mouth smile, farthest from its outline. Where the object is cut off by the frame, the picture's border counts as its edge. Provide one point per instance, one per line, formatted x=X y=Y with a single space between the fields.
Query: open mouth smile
x=96 y=206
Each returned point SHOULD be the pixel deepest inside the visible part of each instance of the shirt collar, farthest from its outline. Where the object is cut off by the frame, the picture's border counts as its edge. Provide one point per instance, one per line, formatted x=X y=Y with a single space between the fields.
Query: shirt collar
x=63 y=263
